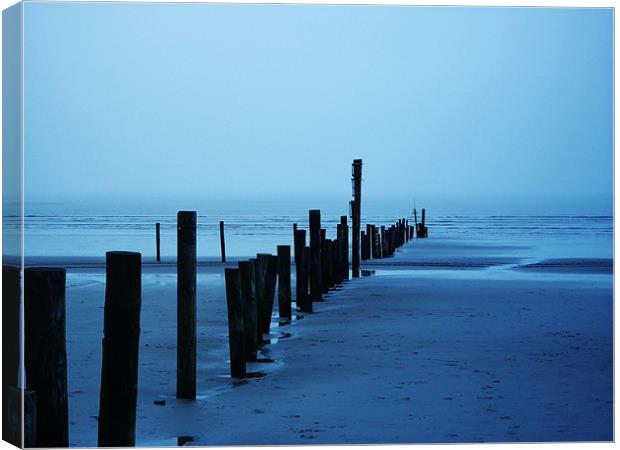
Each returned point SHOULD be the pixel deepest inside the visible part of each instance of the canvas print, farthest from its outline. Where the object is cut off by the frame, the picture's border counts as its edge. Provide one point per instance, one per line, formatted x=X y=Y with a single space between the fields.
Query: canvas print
x=306 y=224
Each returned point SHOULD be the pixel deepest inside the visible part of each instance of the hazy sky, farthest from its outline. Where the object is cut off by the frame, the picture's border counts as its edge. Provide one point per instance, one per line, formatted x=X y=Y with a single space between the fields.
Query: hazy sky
x=511 y=105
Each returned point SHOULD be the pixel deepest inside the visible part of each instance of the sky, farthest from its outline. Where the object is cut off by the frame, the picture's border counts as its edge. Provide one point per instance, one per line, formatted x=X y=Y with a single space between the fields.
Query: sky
x=459 y=105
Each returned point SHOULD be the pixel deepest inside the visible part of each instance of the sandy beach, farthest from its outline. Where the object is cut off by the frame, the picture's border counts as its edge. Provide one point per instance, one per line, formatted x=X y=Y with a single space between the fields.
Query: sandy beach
x=444 y=342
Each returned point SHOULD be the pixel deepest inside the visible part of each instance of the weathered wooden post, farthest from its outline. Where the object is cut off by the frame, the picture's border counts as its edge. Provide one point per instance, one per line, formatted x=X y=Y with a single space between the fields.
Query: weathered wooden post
x=423 y=226
x=324 y=263
x=356 y=216
x=306 y=305
x=294 y=231
x=363 y=245
x=374 y=242
x=315 y=255
x=186 y=304
x=260 y=276
x=338 y=252
x=121 y=342
x=222 y=241
x=284 y=281
x=268 y=269
x=236 y=327
x=300 y=272
x=369 y=240
x=344 y=252
x=384 y=251
x=157 y=242
x=248 y=302
x=45 y=353
x=11 y=410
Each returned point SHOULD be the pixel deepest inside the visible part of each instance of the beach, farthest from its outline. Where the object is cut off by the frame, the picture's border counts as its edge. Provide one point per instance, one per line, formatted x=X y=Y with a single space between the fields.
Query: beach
x=451 y=340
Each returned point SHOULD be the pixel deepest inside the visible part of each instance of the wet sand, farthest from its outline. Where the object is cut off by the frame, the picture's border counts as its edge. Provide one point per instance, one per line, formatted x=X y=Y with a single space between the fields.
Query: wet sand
x=419 y=352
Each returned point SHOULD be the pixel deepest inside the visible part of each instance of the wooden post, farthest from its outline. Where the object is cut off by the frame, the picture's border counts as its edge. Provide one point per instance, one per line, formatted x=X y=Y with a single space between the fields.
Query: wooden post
x=324 y=263
x=222 y=241
x=248 y=303
x=294 y=231
x=20 y=420
x=300 y=272
x=363 y=245
x=368 y=241
x=186 y=304
x=330 y=260
x=338 y=252
x=157 y=242
x=306 y=305
x=345 y=247
x=268 y=271
x=236 y=327
x=11 y=291
x=45 y=352
x=384 y=251
x=260 y=275
x=315 y=255
x=284 y=281
x=121 y=342
x=356 y=216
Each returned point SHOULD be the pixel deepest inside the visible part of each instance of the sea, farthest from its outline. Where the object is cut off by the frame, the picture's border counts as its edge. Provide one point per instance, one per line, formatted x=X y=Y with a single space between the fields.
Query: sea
x=69 y=229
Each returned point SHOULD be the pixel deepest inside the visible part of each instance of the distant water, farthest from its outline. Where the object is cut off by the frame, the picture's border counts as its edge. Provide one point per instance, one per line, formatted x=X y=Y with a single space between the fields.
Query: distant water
x=57 y=230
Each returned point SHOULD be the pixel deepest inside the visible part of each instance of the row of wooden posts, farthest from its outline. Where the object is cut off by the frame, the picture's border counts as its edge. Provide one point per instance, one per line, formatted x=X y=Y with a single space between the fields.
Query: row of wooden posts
x=250 y=289
x=376 y=243
x=320 y=264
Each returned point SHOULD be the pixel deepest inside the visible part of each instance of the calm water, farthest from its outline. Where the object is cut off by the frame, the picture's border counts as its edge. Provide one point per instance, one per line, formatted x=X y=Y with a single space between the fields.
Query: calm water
x=71 y=229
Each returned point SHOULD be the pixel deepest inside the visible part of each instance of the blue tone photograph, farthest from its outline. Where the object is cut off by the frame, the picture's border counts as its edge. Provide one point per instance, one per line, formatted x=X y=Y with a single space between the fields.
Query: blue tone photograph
x=231 y=224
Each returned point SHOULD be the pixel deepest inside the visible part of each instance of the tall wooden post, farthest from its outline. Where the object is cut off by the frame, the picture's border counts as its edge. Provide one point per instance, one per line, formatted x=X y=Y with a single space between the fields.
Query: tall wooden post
x=284 y=281
x=157 y=242
x=315 y=255
x=222 y=241
x=357 y=214
x=186 y=304
x=248 y=303
x=46 y=353
x=121 y=342
x=236 y=327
